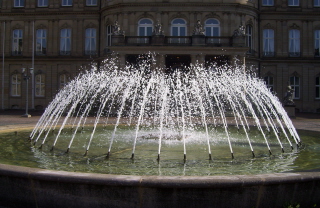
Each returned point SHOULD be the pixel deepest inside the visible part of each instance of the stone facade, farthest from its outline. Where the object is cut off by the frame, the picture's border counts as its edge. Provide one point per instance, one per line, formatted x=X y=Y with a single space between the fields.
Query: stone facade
x=87 y=27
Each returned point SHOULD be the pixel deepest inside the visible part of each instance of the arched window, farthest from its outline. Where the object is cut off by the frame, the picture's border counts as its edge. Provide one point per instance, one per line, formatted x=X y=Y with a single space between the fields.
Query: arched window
x=317 y=43
x=178 y=27
x=145 y=27
x=212 y=27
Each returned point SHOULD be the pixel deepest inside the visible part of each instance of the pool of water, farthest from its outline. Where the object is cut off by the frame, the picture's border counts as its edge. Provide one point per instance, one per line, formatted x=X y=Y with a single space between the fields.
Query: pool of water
x=15 y=149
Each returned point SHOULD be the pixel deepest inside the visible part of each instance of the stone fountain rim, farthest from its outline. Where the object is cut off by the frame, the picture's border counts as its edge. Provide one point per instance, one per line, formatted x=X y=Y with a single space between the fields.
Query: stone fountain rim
x=156 y=181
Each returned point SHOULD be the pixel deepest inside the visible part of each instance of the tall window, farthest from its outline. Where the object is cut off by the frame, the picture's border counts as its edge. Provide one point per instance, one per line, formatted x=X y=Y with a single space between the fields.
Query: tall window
x=293 y=2
x=91 y=2
x=108 y=37
x=212 y=27
x=42 y=3
x=249 y=38
x=269 y=82
x=65 y=42
x=267 y=3
x=145 y=27
x=90 y=41
x=317 y=43
x=178 y=27
x=18 y=3
x=66 y=2
x=17 y=42
x=294 y=43
x=16 y=85
x=295 y=84
x=41 y=47
x=63 y=80
x=268 y=42
x=316 y=3
x=40 y=85
x=317 y=87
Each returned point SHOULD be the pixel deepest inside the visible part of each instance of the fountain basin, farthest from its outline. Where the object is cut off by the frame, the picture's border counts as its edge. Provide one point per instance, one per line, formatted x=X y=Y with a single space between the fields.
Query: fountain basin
x=33 y=187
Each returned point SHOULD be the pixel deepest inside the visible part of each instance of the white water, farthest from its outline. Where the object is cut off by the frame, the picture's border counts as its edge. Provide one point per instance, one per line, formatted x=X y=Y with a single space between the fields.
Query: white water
x=180 y=102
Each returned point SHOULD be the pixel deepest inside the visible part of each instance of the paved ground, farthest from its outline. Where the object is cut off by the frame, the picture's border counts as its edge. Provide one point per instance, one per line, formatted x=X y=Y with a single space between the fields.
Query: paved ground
x=12 y=119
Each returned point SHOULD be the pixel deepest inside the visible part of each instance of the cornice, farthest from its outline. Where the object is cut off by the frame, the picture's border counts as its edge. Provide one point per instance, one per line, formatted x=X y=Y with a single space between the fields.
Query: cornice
x=49 y=13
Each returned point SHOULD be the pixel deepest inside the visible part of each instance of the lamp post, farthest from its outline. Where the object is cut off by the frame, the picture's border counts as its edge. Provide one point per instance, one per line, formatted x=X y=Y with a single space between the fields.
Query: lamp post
x=27 y=73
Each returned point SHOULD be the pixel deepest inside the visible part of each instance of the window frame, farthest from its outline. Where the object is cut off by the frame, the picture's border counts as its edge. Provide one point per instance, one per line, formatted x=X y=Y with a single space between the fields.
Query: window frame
x=91 y=3
x=317 y=88
x=42 y=40
x=211 y=27
x=178 y=26
x=43 y=3
x=296 y=86
x=316 y=3
x=317 y=43
x=145 y=29
x=294 y=43
x=15 y=90
x=18 y=3
x=66 y=3
x=268 y=39
x=249 y=37
x=65 y=41
x=39 y=89
x=90 y=43
x=17 y=42
x=293 y=3
x=267 y=80
x=267 y=2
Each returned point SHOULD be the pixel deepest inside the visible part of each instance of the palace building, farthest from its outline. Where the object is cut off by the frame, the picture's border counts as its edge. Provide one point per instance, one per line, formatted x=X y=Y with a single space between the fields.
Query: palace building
x=45 y=43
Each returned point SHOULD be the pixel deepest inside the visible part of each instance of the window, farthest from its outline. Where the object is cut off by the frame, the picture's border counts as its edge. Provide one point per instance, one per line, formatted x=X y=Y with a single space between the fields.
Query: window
x=294 y=43
x=17 y=42
x=212 y=27
x=90 y=41
x=18 y=3
x=41 y=42
x=91 y=2
x=66 y=2
x=295 y=85
x=178 y=28
x=316 y=3
x=249 y=38
x=267 y=3
x=42 y=3
x=16 y=85
x=269 y=82
x=145 y=27
x=268 y=42
x=65 y=42
x=109 y=35
x=317 y=87
x=293 y=2
x=317 y=43
x=39 y=85
x=63 y=80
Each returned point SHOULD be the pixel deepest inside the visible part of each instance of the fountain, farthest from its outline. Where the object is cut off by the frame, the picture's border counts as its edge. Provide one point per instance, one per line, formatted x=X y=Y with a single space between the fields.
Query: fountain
x=187 y=107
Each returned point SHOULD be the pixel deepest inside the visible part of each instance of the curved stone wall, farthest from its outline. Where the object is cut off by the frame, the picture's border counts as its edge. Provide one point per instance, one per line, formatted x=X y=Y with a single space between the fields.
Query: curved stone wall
x=31 y=187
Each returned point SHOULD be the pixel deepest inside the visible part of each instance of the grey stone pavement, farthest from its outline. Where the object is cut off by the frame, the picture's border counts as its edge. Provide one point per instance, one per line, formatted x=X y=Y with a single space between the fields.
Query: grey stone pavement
x=13 y=120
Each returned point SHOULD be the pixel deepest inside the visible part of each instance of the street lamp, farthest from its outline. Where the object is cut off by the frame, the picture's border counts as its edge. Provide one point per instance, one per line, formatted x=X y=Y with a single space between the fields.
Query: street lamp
x=27 y=73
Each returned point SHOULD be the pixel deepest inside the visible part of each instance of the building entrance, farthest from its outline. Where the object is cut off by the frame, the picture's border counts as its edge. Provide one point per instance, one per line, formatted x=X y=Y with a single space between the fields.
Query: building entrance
x=177 y=62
